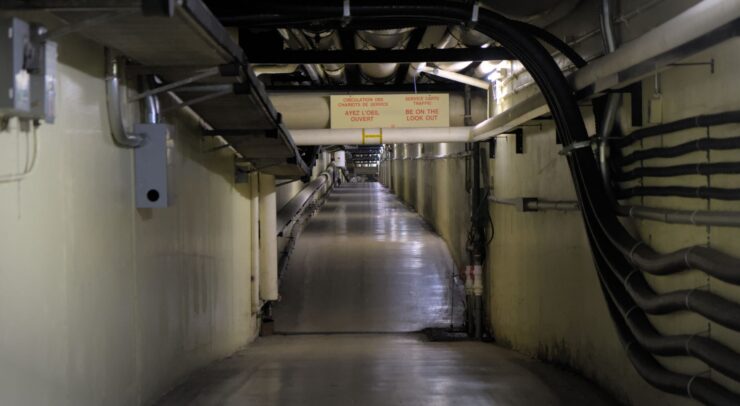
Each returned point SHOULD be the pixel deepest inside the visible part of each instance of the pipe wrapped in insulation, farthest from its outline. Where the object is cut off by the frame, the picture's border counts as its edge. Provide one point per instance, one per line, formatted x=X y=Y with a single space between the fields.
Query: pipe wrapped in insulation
x=268 y=238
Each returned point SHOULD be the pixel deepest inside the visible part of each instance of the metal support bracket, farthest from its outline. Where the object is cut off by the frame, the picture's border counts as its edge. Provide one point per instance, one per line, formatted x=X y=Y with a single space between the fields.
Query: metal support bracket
x=519 y=138
x=492 y=148
x=709 y=63
x=150 y=166
x=574 y=146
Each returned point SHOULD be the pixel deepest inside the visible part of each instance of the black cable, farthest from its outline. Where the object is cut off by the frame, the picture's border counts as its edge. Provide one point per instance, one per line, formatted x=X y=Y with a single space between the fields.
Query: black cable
x=700 y=192
x=706 y=120
x=701 y=144
x=703 y=168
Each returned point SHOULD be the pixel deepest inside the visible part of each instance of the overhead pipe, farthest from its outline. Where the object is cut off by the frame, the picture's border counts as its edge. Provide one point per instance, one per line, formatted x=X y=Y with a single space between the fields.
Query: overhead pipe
x=449 y=40
x=696 y=21
x=313 y=111
x=329 y=41
x=381 y=39
x=457 y=77
x=603 y=73
x=113 y=77
x=296 y=40
x=275 y=70
x=351 y=136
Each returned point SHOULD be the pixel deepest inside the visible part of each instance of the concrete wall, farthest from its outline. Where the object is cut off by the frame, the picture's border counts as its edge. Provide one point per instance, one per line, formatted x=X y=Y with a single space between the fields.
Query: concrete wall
x=101 y=303
x=543 y=293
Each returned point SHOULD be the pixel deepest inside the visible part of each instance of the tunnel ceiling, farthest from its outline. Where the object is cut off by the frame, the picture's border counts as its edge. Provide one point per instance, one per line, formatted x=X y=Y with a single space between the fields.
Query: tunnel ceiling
x=315 y=56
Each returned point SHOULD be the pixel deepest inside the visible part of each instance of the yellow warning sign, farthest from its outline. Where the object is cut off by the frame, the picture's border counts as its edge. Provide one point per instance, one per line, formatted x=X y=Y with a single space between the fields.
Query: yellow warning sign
x=390 y=111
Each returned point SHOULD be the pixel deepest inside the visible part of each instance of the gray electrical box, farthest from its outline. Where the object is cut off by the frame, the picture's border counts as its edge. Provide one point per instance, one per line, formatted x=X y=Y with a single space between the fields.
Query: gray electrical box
x=43 y=70
x=150 y=166
x=15 y=81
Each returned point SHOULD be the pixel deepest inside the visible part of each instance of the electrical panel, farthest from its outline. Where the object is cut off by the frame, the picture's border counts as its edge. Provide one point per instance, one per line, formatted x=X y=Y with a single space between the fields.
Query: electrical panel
x=15 y=81
x=27 y=71
x=43 y=70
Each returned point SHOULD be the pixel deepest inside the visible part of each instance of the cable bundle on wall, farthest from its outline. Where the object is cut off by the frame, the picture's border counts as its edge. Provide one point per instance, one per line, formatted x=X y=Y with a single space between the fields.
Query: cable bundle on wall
x=620 y=259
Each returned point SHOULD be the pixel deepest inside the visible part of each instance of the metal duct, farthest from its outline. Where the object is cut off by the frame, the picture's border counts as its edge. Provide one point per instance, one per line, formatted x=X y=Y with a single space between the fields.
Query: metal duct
x=351 y=136
x=329 y=41
x=296 y=40
x=381 y=39
x=311 y=111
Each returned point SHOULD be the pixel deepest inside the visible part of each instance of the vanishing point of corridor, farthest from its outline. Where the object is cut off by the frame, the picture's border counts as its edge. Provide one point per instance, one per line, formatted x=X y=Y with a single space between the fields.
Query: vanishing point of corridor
x=367 y=275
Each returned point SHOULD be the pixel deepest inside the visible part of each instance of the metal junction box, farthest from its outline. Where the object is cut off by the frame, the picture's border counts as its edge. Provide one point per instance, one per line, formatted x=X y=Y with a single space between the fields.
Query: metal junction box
x=15 y=81
x=43 y=70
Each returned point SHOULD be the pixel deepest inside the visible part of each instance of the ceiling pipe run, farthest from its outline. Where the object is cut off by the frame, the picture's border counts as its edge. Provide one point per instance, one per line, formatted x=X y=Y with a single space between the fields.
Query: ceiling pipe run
x=313 y=111
x=329 y=41
x=381 y=39
x=352 y=136
x=457 y=77
x=604 y=73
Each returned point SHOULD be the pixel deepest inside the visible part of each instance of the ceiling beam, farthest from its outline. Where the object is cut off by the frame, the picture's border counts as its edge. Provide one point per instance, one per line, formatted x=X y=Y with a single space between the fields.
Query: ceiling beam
x=414 y=41
x=350 y=57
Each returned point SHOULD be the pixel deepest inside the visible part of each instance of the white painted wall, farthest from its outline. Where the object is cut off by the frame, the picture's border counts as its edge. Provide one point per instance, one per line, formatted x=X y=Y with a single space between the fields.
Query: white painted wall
x=101 y=303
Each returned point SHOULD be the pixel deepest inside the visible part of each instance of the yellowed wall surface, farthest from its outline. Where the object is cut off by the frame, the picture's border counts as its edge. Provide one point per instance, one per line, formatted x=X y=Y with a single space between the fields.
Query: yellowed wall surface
x=101 y=303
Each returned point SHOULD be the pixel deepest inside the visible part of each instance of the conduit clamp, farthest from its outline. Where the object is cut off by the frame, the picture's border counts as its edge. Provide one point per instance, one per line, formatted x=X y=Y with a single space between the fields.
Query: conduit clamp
x=474 y=13
x=378 y=136
x=346 y=14
x=568 y=149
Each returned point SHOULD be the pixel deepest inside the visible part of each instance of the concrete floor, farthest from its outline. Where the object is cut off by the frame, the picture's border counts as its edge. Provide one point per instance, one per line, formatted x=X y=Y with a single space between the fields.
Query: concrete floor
x=380 y=370
x=367 y=264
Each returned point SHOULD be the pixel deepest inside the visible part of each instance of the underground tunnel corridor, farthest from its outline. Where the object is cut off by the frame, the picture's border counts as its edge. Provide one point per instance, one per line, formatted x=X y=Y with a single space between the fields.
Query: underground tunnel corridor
x=367 y=275
x=366 y=202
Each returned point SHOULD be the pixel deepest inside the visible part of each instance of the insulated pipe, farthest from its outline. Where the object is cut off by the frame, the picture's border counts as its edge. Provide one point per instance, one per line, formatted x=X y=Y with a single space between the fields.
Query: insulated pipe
x=603 y=73
x=449 y=40
x=457 y=77
x=254 y=211
x=296 y=40
x=696 y=21
x=329 y=41
x=275 y=70
x=307 y=111
x=113 y=77
x=268 y=238
x=339 y=136
x=381 y=39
